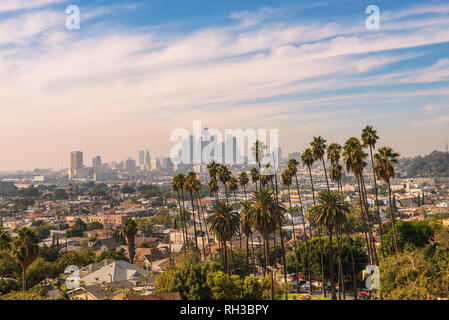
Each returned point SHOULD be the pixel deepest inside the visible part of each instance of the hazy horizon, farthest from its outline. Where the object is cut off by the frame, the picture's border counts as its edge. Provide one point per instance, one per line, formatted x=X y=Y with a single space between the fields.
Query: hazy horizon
x=137 y=70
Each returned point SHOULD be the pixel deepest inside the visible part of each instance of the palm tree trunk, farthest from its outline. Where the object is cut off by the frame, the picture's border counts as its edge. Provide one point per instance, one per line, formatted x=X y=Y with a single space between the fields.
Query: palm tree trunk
x=247 y=255
x=252 y=253
x=354 y=278
x=280 y=234
x=180 y=217
x=205 y=223
x=24 y=279
x=392 y=217
x=201 y=228
x=340 y=264
x=362 y=215
x=240 y=233
x=184 y=217
x=194 y=223
x=331 y=266
x=309 y=270
x=319 y=235
x=294 y=236
x=365 y=202
x=377 y=203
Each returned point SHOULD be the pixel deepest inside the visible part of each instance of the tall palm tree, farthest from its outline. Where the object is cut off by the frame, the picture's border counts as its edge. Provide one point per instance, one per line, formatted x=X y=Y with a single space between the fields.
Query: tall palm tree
x=224 y=223
x=307 y=159
x=264 y=217
x=196 y=187
x=354 y=159
x=243 y=181
x=386 y=158
x=292 y=169
x=233 y=185
x=318 y=149
x=213 y=187
x=212 y=168
x=129 y=229
x=286 y=180
x=369 y=140
x=25 y=250
x=335 y=174
x=255 y=176
x=176 y=186
x=189 y=185
x=334 y=152
x=5 y=239
x=224 y=175
x=258 y=150
x=245 y=228
x=329 y=211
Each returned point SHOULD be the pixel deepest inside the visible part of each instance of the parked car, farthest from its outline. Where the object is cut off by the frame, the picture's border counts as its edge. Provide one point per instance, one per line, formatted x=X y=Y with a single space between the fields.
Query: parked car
x=365 y=294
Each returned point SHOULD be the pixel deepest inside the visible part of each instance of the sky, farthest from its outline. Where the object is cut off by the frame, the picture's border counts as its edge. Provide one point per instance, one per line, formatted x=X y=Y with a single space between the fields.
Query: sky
x=137 y=70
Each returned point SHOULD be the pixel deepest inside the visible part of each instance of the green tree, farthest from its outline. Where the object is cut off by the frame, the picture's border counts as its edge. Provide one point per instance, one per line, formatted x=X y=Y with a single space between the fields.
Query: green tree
x=25 y=250
x=129 y=229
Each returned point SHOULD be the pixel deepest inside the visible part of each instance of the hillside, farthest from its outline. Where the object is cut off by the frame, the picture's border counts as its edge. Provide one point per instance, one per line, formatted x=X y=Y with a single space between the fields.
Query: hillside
x=435 y=164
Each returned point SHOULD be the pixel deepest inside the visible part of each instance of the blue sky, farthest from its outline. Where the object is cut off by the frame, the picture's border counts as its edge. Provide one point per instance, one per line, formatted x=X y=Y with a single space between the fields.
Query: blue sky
x=136 y=70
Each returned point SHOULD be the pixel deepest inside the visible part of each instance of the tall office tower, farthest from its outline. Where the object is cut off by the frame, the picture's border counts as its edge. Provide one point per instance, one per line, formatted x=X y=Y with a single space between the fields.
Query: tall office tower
x=231 y=149
x=147 y=160
x=166 y=165
x=188 y=147
x=278 y=155
x=141 y=158
x=76 y=160
x=156 y=164
x=96 y=161
x=130 y=165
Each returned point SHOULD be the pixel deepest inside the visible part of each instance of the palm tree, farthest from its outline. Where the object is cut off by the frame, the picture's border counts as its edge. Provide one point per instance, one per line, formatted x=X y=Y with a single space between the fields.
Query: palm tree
x=354 y=159
x=213 y=187
x=335 y=174
x=189 y=185
x=255 y=175
x=224 y=223
x=245 y=228
x=196 y=186
x=258 y=152
x=386 y=158
x=334 y=152
x=307 y=159
x=329 y=211
x=212 y=168
x=286 y=180
x=233 y=185
x=25 y=250
x=129 y=229
x=264 y=217
x=292 y=168
x=369 y=139
x=176 y=186
x=224 y=175
x=5 y=239
x=243 y=181
x=318 y=149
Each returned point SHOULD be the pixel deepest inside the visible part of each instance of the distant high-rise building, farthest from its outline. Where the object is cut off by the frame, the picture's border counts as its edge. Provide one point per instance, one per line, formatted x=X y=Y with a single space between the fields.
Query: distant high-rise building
x=130 y=165
x=166 y=165
x=296 y=155
x=147 y=160
x=141 y=158
x=96 y=161
x=76 y=160
x=277 y=155
x=155 y=164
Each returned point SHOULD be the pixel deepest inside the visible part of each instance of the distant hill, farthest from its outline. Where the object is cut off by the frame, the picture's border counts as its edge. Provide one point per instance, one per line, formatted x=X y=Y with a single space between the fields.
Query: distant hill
x=435 y=164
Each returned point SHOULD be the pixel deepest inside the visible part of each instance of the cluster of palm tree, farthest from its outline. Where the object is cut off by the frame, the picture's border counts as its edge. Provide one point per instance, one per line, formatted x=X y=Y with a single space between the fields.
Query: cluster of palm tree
x=262 y=212
x=191 y=184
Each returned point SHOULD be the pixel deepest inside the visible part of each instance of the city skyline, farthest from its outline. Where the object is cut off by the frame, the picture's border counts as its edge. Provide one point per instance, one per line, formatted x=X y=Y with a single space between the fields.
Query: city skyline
x=307 y=69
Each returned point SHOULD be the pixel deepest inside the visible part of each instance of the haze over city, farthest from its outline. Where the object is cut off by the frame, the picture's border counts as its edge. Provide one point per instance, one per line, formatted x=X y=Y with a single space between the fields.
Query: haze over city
x=136 y=71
